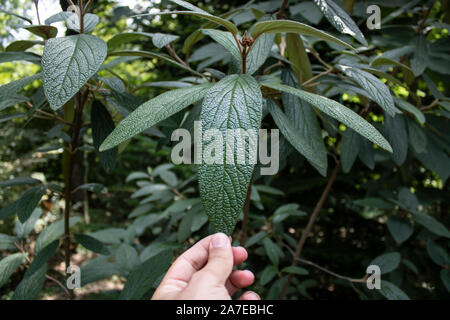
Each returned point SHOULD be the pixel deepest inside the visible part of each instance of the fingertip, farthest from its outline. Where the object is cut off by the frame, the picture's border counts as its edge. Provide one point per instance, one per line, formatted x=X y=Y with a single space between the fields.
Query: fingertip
x=250 y=295
x=240 y=255
x=242 y=278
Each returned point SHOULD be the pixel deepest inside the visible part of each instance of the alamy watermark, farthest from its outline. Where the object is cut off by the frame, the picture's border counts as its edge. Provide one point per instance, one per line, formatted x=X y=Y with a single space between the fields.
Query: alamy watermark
x=228 y=147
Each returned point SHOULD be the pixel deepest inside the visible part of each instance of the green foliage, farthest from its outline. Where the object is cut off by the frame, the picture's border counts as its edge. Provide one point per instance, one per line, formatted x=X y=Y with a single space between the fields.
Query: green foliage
x=372 y=102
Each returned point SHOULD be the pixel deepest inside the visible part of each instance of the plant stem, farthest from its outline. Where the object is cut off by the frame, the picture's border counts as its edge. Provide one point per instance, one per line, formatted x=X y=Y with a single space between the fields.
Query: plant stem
x=425 y=17
x=80 y=4
x=309 y=226
x=306 y=83
x=36 y=2
x=280 y=13
x=77 y=125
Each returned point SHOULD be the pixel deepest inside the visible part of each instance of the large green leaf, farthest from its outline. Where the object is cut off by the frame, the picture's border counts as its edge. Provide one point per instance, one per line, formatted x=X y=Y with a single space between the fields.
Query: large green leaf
x=68 y=63
x=376 y=89
x=154 y=111
x=23 y=229
x=437 y=253
x=296 y=52
x=203 y=14
x=7 y=242
x=145 y=277
x=226 y=39
x=337 y=111
x=340 y=19
x=420 y=58
x=299 y=138
x=102 y=125
x=22 y=45
x=8 y=265
x=235 y=102
x=405 y=105
x=431 y=224
x=279 y=26
x=19 y=56
x=30 y=287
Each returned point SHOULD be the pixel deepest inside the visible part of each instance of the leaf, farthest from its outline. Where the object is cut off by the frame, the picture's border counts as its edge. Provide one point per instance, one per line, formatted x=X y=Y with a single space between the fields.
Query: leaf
x=288 y=26
x=259 y=52
x=225 y=23
x=23 y=229
x=438 y=254
x=431 y=224
x=254 y=239
x=30 y=287
x=98 y=268
x=434 y=158
x=300 y=140
x=154 y=111
x=376 y=89
x=382 y=61
x=12 y=88
x=52 y=233
x=19 y=56
x=395 y=132
x=16 y=15
x=92 y=244
x=169 y=177
x=420 y=58
x=387 y=262
x=68 y=63
x=145 y=277
x=400 y=229
x=391 y=292
x=334 y=109
x=340 y=19
x=7 y=242
x=417 y=137
x=102 y=125
x=366 y=154
x=58 y=17
x=43 y=31
x=307 y=10
x=22 y=45
x=42 y=258
x=405 y=105
x=445 y=277
x=350 y=147
x=235 y=102
x=296 y=52
x=268 y=274
x=19 y=181
x=188 y=6
x=136 y=176
x=272 y=251
x=90 y=22
x=296 y=270
x=225 y=39
x=92 y=187
x=28 y=202
x=8 y=265
x=161 y=40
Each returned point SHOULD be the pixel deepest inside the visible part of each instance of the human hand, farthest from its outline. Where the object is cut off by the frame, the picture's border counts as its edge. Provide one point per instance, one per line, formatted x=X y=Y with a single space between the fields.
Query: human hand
x=205 y=272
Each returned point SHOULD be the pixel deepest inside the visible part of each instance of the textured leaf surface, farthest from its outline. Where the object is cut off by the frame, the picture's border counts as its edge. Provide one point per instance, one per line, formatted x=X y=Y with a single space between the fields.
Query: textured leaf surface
x=29 y=287
x=68 y=63
x=154 y=111
x=297 y=138
x=8 y=265
x=235 y=102
x=28 y=202
x=387 y=262
x=92 y=244
x=337 y=111
x=144 y=278
x=279 y=26
x=12 y=88
x=90 y=22
x=102 y=126
x=340 y=19
x=376 y=89
x=52 y=233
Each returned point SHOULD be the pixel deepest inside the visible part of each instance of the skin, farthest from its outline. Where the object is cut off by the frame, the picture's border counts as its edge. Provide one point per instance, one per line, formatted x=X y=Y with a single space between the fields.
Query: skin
x=205 y=272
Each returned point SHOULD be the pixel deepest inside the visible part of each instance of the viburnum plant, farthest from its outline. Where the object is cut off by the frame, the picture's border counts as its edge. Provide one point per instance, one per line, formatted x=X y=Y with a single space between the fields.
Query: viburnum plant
x=270 y=72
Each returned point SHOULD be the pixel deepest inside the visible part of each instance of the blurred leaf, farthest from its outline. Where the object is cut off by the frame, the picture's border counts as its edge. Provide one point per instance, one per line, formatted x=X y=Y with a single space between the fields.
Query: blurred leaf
x=387 y=262
x=92 y=244
x=268 y=274
x=400 y=229
x=438 y=254
x=8 y=265
x=391 y=292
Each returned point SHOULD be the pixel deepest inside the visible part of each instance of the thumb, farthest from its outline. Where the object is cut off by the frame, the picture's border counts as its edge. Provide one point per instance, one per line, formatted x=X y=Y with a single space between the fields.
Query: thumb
x=220 y=260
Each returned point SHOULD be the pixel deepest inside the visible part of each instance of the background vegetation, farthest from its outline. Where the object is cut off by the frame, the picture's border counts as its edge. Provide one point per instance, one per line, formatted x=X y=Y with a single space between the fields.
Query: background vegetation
x=370 y=205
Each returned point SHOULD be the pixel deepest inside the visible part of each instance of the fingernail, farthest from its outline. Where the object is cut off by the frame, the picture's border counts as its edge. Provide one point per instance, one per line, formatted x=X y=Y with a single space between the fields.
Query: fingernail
x=220 y=240
x=252 y=296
